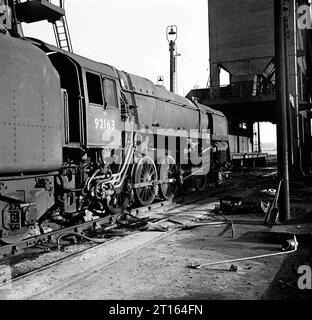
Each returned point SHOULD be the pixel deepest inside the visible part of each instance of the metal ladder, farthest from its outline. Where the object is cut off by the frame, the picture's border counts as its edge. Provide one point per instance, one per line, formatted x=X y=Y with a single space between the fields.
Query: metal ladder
x=53 y=11
x=62 y=36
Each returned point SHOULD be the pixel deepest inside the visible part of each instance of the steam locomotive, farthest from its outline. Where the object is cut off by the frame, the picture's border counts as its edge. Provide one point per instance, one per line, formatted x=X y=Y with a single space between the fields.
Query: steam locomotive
x=83 y=140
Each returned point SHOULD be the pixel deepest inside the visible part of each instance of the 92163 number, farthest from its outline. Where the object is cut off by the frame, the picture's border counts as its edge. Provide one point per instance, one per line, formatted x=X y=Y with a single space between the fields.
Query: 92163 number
x=104 y=124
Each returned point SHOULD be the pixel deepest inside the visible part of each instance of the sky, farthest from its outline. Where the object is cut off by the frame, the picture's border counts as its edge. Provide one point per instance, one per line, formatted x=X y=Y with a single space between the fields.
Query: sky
x=131 y=36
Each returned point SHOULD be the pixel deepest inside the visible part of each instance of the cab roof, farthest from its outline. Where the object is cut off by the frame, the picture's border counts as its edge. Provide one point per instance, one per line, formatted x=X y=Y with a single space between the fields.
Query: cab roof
x=83 y=62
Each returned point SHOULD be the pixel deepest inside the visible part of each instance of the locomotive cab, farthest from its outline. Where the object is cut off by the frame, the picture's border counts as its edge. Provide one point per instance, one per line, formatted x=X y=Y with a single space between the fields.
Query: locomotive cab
x=72 y=97
x=94 y=124
x=93 y=116
x=104 y=125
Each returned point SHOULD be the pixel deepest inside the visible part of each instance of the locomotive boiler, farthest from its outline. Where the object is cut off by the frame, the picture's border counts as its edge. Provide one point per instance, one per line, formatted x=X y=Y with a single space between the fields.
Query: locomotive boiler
x=81 y=140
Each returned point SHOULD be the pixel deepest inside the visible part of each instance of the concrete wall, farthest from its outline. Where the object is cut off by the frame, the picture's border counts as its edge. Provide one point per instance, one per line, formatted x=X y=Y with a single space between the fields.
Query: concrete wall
x=241 y=35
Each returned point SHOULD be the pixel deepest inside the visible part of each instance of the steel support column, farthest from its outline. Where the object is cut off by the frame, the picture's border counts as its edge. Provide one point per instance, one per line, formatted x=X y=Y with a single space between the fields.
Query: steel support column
x=259 y=139
x=281 y=104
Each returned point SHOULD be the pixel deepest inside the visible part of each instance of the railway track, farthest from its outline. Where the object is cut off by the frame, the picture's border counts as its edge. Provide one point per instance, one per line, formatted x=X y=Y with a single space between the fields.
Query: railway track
x=162 y=212
x=63 y=273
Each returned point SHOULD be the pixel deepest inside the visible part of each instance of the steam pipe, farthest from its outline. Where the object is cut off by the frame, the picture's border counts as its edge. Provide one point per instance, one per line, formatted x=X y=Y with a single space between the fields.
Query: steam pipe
x=115 y=178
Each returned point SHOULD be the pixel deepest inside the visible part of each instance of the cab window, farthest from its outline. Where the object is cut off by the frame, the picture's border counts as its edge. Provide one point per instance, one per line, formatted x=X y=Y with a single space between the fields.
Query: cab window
x=94 y=85
x=110 y=93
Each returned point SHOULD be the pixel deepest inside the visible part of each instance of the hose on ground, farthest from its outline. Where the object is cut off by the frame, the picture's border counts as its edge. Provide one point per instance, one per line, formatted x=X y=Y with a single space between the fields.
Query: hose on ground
x=293 y=247
x=137 y=223
x=95 y=240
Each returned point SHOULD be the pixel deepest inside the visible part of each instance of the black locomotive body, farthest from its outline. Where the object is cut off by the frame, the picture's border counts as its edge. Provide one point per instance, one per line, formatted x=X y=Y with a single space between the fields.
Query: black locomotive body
x=82 y=140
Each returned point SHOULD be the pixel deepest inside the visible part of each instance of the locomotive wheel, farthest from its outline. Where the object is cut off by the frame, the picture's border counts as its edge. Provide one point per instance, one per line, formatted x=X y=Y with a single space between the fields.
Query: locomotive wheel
x=167 y=169
x=201 y=182
x=145 y=172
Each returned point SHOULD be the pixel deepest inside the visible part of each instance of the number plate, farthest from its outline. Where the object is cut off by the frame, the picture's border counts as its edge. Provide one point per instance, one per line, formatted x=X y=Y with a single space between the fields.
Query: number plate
x=104 y=128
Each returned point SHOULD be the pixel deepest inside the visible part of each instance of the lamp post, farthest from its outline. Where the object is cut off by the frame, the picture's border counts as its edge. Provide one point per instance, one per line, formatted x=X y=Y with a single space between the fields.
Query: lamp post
x=172 y=34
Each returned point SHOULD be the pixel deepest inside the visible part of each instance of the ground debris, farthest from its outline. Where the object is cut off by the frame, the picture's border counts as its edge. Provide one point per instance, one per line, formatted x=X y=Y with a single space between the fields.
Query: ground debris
x=236 y=205
x=233 y=268
x=287 y=284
